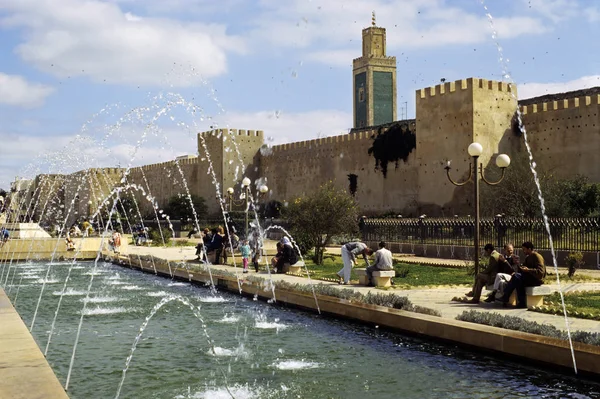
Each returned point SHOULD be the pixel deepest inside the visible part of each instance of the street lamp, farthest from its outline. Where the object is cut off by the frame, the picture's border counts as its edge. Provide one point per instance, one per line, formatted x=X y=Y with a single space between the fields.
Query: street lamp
x=502 y=161
x=245 y=197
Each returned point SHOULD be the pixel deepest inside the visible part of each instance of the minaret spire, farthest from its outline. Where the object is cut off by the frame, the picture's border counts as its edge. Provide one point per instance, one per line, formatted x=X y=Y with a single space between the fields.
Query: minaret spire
x=373 y=20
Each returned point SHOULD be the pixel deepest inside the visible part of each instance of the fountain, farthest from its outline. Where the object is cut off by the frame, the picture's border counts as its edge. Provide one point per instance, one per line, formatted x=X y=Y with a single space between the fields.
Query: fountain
x=137 y=334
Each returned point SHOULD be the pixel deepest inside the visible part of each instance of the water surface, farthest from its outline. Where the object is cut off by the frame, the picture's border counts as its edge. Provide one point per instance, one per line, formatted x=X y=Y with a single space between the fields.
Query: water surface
x=260 y=350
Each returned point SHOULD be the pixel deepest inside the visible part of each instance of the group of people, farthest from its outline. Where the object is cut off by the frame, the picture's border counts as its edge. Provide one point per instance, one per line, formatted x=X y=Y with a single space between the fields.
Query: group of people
x=216 y=241
x=507 y=274
x=383 y=260
x=141 y=235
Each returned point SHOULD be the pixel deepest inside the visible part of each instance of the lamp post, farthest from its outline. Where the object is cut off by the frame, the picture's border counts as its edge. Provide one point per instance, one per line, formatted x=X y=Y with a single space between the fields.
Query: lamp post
x=475 y=172
x=245 y=196
x=246 y=188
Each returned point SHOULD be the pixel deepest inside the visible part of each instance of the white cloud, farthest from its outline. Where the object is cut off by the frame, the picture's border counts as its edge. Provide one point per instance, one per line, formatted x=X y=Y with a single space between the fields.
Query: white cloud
x=69 y=153
x=335 y=24
x=593 y=14
x=98 y=39
x=282 y=127
x=16 y=90
x=529 y=90
x=554 y=10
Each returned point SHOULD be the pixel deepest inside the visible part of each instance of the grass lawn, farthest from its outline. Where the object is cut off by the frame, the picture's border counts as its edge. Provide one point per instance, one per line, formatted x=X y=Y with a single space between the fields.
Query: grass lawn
x=582 y=302
x=414 y=275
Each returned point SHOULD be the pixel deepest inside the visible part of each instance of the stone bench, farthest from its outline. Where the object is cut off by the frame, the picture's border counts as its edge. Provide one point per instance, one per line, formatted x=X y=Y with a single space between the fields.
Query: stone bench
x=535 y=295
x=380 y=278
x=296 y=268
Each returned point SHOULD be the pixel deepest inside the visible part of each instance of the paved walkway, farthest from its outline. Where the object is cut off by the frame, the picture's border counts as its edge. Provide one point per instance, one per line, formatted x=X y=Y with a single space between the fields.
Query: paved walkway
x=438 y=298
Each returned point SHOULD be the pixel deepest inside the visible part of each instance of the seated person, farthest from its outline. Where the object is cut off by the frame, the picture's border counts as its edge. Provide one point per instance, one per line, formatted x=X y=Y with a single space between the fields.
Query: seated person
x=507 y=268
x=488 y=275
x=531 y=274
x=70 y=243
x=278 y=255
x=288 y=256
x=383 y=261
x=216 y=243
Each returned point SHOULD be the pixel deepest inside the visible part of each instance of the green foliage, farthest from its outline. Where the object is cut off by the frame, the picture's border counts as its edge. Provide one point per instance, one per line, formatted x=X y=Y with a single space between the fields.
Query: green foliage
x=577 y=303
x=407 y=275
x=518 y=324
x=517 y=194
x=155 y=236
x=574 y=261
x=315 y=219
x=380 y=299
x=402 y=272
x=179 y=208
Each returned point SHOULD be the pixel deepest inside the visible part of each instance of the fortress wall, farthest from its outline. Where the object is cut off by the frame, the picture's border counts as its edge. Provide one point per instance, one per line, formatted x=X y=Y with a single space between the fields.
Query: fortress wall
x=164 y=180
x=48 y=194
x=248 y=143
x=565 y=136
x=297 y=169
x=450 y=116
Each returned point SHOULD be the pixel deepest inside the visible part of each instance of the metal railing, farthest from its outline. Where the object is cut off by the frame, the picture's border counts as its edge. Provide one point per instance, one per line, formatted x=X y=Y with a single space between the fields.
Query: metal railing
x=568 y=234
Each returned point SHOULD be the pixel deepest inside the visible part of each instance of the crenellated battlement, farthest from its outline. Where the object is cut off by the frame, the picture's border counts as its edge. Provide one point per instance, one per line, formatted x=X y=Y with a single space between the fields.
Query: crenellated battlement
x=361 y=135
x=558 y=105
x=237 y=132
x=464 y=84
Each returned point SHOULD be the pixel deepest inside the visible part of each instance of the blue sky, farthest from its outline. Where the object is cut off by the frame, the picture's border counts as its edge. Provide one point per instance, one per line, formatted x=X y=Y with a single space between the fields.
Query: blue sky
x=72 y=70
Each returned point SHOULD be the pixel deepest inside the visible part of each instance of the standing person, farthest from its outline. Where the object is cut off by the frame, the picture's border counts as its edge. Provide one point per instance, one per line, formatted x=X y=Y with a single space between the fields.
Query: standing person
x=245 y=250
x=116 y=237
x=531 y=274
x=256 y=245
x=383 y=261
x=349 y=253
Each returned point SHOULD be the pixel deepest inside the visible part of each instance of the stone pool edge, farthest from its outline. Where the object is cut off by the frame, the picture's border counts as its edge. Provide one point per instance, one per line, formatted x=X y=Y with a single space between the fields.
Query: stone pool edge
x=532 y=348
x=24 y=371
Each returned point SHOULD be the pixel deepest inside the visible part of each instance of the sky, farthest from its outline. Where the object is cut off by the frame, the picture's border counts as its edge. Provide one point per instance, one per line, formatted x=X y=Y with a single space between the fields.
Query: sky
x=107 y=83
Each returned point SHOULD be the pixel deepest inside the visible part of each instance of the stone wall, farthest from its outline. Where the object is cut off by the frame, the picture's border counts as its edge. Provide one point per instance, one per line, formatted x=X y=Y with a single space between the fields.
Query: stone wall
x=565 y=135
x=297 y=169
x=451 y=116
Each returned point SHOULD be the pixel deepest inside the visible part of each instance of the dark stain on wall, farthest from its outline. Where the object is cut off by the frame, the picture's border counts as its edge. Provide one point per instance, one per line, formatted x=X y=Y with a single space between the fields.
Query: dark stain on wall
x=392 y=143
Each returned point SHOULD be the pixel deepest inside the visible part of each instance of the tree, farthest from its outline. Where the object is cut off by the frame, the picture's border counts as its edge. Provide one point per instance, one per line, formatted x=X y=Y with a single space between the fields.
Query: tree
x=179 y=207
x=315 y=219
x=517 y=194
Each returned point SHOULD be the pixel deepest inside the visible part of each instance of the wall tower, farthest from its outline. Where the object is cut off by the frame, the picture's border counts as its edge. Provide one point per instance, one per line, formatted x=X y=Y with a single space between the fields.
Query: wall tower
x=374 y=81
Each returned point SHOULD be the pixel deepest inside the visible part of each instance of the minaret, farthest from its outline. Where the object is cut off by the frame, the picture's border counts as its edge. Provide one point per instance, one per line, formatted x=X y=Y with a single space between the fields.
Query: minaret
x=374 y=80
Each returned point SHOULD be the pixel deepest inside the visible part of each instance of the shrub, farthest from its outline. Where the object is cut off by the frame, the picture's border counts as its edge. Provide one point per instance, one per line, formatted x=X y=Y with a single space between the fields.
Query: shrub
x=518 y=324
x=574 y=261
x=155 y=236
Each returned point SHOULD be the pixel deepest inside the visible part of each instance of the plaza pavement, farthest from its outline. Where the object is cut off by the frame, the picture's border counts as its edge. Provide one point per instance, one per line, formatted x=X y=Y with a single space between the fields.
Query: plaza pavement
x=438 y=298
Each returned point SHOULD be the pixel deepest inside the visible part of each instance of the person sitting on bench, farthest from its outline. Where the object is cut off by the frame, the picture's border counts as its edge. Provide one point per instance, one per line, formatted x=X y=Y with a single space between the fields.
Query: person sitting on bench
x=488 y=275
x=531 y=274
x=383 y=261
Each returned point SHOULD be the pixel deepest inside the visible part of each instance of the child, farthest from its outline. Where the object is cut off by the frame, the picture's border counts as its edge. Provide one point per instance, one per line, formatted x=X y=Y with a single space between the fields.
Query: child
x=245 y=250
x=70 y=243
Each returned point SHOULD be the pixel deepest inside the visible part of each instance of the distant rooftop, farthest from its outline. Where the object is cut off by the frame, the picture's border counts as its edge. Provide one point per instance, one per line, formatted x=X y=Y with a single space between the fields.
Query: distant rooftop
x=560 y=96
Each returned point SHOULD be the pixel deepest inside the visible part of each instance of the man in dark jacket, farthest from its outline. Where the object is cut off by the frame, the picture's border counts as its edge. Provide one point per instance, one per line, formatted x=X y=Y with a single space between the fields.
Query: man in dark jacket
x=488 y=275
x=531 y=274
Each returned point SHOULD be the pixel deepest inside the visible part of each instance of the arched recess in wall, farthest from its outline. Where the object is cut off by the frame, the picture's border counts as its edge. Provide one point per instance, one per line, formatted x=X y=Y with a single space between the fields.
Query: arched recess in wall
x=392 y=143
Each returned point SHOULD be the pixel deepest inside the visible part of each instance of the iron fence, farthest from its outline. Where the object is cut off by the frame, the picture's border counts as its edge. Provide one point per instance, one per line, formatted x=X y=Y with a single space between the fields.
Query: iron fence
x=568 y=234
